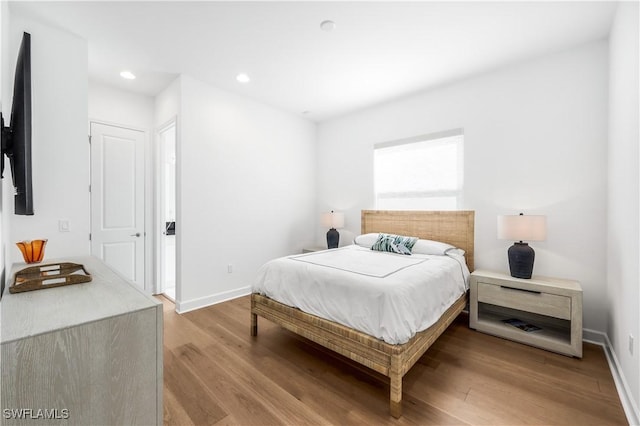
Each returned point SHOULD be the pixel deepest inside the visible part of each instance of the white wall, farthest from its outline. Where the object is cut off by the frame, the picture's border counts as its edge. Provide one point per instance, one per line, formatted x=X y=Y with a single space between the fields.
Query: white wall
x=535 y=141
x=4 y=225
x=60 y=149
x=167 y=104
x=117 y=106
x=4 y=228
x=624 y=187
x=246 y=190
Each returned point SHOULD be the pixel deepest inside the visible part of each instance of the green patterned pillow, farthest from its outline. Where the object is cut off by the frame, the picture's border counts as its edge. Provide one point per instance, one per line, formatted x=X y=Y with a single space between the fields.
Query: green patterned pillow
x=394 y=243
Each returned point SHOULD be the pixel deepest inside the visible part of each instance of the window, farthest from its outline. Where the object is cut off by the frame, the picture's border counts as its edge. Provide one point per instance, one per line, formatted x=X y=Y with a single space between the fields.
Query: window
x=421 y=173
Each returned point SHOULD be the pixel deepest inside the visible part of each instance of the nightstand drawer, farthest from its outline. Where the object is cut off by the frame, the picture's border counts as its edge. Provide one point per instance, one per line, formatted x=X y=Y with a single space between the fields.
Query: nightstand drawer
x=540 y=303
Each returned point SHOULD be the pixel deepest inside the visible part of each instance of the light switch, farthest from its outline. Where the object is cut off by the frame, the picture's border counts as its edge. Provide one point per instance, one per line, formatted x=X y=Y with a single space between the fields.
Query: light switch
x=63 y=225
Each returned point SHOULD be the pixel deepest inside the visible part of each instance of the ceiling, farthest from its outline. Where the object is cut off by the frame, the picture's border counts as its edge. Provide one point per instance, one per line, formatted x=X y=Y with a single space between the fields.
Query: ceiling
x=377 y=52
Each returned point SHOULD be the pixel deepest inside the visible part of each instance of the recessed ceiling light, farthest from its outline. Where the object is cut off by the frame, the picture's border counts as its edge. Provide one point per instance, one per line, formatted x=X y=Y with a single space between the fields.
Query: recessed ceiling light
x=128 y=75
x=243 y=78
x=327 y=25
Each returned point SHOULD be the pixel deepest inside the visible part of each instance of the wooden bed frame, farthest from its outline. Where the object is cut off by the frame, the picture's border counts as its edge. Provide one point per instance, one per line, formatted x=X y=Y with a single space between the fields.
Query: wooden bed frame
x=394 y=361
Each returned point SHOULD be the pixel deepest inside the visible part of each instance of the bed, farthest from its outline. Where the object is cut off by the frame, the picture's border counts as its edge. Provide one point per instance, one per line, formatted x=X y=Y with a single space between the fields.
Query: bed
x=392 y=360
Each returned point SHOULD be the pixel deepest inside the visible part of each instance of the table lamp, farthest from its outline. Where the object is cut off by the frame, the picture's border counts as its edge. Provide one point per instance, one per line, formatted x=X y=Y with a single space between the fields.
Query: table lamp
x=522 y=228
x=332 y=220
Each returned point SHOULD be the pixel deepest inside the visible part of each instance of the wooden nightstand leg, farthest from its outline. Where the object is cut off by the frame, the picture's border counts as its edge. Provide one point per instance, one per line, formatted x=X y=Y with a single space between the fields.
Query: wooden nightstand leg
x=254 y=324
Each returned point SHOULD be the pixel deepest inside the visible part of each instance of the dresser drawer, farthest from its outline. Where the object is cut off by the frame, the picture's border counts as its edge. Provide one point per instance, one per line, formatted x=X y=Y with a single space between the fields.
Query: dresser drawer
x=552 y=305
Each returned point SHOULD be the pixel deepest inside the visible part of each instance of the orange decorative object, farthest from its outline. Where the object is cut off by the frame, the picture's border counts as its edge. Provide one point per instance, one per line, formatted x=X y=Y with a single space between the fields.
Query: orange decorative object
x=32 y=251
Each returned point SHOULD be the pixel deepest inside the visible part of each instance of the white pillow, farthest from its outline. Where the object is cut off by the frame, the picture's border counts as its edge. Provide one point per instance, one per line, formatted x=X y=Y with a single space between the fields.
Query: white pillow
x=456 y=253
x=432 y=247
x=366 y=240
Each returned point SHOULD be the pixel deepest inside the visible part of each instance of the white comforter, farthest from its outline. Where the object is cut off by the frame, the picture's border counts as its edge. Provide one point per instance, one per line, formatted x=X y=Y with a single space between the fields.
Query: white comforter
x=386 y=295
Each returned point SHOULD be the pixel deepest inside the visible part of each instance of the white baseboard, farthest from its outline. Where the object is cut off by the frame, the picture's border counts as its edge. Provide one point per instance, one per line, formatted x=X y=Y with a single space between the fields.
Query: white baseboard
x=626 y=397
x=202 y=302
x=592 y=336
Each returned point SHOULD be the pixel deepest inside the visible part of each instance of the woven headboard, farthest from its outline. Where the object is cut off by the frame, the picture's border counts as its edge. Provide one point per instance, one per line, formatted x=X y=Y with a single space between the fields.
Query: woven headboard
x=452 y=227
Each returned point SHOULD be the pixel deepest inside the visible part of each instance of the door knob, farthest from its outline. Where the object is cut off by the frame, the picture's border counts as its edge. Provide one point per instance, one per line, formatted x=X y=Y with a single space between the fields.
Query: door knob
x=137 y=234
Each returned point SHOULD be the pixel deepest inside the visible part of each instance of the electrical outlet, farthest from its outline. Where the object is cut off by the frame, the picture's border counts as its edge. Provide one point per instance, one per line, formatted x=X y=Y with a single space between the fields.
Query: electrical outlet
x=230 y=268
x=631 y=344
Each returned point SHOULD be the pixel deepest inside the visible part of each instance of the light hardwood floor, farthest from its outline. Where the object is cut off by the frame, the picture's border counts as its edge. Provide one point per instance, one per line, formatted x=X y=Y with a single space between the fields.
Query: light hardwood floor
x=216 y=373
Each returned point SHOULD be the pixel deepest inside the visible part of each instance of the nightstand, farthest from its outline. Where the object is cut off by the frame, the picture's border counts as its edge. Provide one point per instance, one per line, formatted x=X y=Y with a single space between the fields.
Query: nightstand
x=312 y=249
x=552 y=304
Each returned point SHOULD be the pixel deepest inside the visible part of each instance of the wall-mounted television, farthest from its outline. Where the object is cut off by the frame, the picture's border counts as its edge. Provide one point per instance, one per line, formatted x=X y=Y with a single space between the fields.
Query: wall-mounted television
x=16 y=138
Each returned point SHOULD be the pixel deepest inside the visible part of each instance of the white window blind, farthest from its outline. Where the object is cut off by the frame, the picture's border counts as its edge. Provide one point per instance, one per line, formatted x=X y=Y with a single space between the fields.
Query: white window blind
x=421 y=173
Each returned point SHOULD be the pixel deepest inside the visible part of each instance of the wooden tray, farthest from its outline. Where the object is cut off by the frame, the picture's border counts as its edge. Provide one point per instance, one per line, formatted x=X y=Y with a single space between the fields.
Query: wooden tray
x=49 y=276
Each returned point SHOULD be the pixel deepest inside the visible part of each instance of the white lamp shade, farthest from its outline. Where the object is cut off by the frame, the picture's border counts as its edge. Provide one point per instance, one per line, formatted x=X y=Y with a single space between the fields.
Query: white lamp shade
x=332 y=220
x=522 y=228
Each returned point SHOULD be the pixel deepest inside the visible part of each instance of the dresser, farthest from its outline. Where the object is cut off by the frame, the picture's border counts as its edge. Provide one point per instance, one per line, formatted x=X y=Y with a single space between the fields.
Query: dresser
x=81 y=354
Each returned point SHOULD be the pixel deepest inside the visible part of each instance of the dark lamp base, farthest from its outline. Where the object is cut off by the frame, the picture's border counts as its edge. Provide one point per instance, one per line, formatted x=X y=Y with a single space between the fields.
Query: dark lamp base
x=333 y=238
x=521 y=258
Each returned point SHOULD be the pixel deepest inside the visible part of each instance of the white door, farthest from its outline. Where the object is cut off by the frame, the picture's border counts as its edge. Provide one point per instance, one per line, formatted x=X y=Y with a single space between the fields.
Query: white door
x=117 y=199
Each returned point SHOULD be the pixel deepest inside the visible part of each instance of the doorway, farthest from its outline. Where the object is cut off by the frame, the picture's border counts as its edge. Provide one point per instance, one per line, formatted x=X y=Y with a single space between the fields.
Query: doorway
x=167 y=211
x=117 y=199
